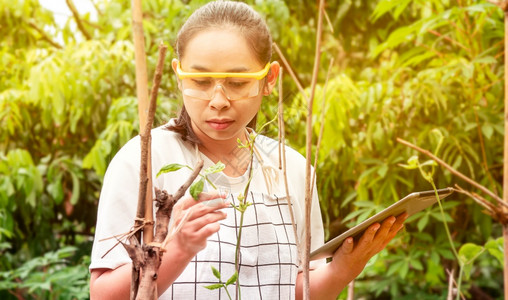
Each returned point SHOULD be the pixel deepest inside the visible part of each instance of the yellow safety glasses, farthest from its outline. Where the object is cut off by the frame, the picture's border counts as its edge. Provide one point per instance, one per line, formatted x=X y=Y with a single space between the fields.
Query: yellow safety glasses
x=235 y=86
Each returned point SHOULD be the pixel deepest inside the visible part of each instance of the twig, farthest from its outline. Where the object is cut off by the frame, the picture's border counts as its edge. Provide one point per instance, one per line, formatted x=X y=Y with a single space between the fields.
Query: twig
x=291 y=73
x=321 y=129
x=282 y=144
x=164 y=211
x=75 y=13
x=496 y=213
x=330 y=26
x=44 y=35
x=450 y=284
x=455 y=284
x=351 y=290
x=145 y=188
x=438 y=34
x=451 y=169
x=308 y=156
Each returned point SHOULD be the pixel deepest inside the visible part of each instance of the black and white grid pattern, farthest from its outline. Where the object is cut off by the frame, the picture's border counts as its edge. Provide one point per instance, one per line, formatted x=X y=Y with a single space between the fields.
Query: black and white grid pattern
x=268 y=259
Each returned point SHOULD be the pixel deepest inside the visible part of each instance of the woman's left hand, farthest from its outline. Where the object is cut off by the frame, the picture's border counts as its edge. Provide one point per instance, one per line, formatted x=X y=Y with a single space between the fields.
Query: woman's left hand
x=352 y=256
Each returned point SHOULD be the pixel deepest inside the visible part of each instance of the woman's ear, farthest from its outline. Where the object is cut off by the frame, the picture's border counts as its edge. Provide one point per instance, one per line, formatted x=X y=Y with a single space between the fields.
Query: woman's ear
x=174 y=65
x=271 y=78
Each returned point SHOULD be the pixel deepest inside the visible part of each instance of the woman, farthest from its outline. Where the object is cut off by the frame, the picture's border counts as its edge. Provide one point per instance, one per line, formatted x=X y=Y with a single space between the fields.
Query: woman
x=223 y=72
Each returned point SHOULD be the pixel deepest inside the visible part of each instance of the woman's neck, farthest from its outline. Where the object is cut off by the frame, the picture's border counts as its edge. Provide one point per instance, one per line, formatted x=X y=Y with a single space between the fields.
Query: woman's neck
x=229 y=152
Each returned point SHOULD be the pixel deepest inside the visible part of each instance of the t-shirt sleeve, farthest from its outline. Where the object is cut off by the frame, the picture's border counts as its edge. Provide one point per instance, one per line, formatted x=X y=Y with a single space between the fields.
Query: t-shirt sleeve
x=117 y=208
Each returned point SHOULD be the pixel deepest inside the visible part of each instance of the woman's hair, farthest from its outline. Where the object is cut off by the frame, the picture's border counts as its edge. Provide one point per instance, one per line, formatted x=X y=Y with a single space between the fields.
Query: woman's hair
x=222 y=14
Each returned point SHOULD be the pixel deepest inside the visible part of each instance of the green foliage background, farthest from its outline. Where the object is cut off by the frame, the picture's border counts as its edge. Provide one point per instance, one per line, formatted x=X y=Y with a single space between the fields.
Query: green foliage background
x=401 y=68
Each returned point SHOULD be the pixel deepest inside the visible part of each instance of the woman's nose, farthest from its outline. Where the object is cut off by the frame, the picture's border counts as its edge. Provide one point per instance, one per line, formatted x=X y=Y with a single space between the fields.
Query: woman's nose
x=219 y=100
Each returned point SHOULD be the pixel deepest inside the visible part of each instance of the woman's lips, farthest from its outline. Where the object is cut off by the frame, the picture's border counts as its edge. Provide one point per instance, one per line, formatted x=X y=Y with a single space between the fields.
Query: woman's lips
x=219 y=124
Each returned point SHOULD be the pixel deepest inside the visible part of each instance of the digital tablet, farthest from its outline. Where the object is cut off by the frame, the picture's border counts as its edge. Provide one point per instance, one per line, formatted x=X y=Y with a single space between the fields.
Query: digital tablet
x=411 y=204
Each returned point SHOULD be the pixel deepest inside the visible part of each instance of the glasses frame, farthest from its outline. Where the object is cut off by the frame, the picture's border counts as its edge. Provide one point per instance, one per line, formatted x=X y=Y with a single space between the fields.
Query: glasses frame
x=256 y=75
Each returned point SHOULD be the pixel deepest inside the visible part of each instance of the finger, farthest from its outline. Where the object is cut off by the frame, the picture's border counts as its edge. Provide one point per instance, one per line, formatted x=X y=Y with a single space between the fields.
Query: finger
x=386 y=227
x=347 y=246
x=209 y=229
x=187 y=202
x=369 y=234
x=196 y=224
x=400 y=220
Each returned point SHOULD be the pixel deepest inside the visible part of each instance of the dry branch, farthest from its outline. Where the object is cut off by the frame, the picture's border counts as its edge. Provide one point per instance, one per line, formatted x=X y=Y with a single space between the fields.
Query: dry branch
x=290 y=70
x=452 y=170
x=144 y=214
x=44 y=35
x=282 y=153
x=308 y=155
x=322 y=121
x=75 y=13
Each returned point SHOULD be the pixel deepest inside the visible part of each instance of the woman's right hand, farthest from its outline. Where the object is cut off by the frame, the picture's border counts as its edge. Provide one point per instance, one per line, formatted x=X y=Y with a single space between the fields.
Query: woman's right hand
x=200 y=221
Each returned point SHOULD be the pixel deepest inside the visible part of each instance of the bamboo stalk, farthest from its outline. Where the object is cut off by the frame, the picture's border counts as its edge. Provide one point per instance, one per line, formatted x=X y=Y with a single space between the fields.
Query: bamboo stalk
x=142 y=95
x=141 y=90
x=505 y=160
x=140 y=57
x=504 y=6
x=308 y=155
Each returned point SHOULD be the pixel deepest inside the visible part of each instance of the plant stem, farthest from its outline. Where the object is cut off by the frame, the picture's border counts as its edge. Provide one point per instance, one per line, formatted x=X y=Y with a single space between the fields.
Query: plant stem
x=227 y=292
x=444 y=220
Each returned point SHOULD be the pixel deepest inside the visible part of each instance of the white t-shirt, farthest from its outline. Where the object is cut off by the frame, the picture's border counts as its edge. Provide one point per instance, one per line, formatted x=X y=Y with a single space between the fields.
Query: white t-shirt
x=268 y=253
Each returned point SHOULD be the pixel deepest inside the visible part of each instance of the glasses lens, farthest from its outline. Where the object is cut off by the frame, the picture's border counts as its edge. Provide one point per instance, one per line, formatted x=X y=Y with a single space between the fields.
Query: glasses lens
x=233 y=88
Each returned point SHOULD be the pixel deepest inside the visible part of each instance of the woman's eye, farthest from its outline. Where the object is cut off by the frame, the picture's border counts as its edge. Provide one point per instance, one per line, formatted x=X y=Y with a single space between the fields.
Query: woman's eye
x=201 y=82
x=237 y=84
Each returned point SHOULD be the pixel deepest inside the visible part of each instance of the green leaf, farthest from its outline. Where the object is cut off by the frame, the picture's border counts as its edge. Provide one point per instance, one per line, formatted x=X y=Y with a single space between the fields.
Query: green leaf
x=416 y=264
x=422 y=222
x=214 y=286
x=170 y=168
x=469 y=252
x=382 y=170
x=196 y=188
x=219 y=166
x=487 y=130
x=495 y=248
x=75 y=189
x=215 y=272
x=232 y=279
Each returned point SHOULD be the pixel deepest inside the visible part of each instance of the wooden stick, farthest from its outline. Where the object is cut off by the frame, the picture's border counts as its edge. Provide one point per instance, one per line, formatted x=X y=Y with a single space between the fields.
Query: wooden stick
x=308 y=156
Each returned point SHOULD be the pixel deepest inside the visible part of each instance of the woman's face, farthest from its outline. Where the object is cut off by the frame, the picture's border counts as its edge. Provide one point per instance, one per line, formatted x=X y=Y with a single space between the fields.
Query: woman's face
x=222 y=50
